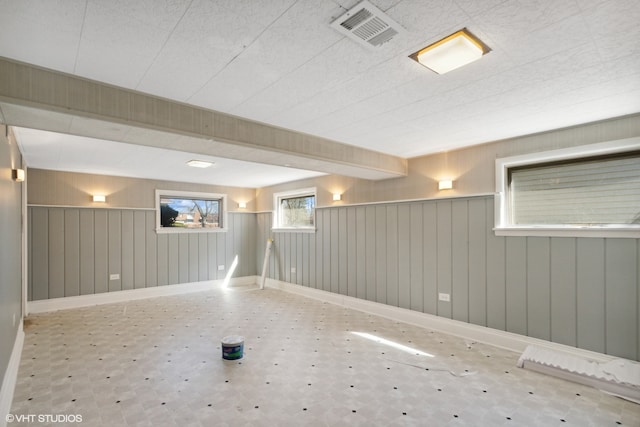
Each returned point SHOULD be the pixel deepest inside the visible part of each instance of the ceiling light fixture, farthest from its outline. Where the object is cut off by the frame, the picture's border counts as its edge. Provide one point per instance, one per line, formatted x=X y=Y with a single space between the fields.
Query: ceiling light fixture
x=199 y=163
x=454 y=51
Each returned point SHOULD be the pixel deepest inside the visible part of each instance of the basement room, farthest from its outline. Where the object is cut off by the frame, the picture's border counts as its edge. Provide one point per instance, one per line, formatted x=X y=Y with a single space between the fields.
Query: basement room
x=320 y=213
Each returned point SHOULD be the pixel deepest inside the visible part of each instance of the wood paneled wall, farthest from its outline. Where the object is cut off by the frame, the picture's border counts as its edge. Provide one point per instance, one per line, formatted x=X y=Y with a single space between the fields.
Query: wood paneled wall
x=582 y=292
x=73 y=251
x=11 y=229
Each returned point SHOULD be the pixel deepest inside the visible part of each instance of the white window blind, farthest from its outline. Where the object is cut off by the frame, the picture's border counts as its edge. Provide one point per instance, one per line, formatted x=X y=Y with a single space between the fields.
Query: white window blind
x=594 y=191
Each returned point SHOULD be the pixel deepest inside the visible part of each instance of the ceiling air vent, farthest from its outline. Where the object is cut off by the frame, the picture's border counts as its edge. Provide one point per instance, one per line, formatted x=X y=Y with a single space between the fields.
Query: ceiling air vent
x=367 y=25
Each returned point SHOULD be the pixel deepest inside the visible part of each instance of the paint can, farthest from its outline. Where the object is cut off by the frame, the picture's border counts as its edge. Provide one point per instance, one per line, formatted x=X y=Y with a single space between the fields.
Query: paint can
x=232 y=347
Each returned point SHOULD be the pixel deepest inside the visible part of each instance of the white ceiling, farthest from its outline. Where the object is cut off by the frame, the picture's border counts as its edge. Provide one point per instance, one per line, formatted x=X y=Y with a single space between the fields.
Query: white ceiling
x=55 y=151
x=554 y=63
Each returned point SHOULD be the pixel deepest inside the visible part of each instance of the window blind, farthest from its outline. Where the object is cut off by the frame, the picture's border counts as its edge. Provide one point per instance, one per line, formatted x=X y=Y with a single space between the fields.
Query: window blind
x=597 y=191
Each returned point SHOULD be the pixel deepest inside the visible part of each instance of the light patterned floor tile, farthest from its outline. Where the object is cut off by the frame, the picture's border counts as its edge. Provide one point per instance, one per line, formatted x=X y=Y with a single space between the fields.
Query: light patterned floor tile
x=157 y=362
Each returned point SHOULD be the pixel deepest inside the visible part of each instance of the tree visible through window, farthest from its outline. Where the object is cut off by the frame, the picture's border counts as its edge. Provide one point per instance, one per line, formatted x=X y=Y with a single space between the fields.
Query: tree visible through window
x=190 y=210
x=295 y=209
x=298 y=211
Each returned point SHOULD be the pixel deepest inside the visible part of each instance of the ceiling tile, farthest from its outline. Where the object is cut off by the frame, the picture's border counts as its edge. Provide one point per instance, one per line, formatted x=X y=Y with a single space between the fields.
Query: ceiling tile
x=516 y=17
x=426 y=19
x=338 y=64
x=117 y=48
x=46 y=33
x=614 y=28
x=474 y=7
x=274 y=54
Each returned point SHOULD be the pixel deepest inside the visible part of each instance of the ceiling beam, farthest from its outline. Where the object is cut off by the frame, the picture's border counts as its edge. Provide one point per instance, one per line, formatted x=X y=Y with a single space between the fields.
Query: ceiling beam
x=44 y=99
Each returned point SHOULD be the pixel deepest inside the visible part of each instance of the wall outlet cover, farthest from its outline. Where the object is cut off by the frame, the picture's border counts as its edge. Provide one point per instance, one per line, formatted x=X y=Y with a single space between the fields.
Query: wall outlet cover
x=444 y=297
x=220 y=267
x=114 y=276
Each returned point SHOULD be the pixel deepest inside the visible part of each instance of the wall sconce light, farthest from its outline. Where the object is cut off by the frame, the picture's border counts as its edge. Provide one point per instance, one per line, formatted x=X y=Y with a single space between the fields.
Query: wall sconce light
x=17 y=175
x=445 y=184
x=99 y=198
x=242 y=205
x=337 y=197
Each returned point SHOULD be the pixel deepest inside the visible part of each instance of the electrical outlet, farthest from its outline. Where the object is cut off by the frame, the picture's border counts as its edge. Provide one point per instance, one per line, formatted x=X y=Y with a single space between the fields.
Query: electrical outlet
x=114 y=276
x=293 y=270
x=444 y=297
x=221 y=268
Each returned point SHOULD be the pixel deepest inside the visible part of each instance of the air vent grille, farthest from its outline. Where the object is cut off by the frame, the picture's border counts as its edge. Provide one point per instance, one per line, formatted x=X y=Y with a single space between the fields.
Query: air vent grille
x=383 y=37
x=370 y=28
x=356 y=19
x=367 y=25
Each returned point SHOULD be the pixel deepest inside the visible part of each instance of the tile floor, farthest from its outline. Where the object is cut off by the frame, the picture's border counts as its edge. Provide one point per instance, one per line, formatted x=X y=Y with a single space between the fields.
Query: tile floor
x=157 y=362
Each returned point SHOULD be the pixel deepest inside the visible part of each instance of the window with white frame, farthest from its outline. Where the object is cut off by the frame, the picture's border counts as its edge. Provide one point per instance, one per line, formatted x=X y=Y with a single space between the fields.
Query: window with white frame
x=295 y=209
x=590 y=190
x=185 y=211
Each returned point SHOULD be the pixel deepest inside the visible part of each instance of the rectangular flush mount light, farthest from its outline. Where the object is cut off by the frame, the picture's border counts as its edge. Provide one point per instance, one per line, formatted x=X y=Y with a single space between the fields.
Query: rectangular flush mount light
x=199 y=163
x=17 y=175
x=454 y=51
x=445 y=184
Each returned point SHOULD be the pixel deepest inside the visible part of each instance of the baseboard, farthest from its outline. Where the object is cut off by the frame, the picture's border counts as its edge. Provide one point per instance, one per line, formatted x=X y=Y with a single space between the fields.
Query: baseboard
x=10 y=377
x=506 y=340
x=43 y=306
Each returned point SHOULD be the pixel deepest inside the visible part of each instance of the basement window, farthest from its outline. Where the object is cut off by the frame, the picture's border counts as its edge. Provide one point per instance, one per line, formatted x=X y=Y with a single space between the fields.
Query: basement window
x=589 y=191
x=185 y=211
x=295 y=210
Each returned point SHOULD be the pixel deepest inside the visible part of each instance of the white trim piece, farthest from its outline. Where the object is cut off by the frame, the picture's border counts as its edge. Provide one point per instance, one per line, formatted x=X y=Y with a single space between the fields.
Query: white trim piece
x=622 y=233
x=25 y=245
x=265 y=263
x=89 y=207
x=43 y=306
x=294 y=230
x=502 y=339
x=619 y=377
x=389 y=202
x=243 y=212
x=425 y=199
x=577 y=152
x=11 y=377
